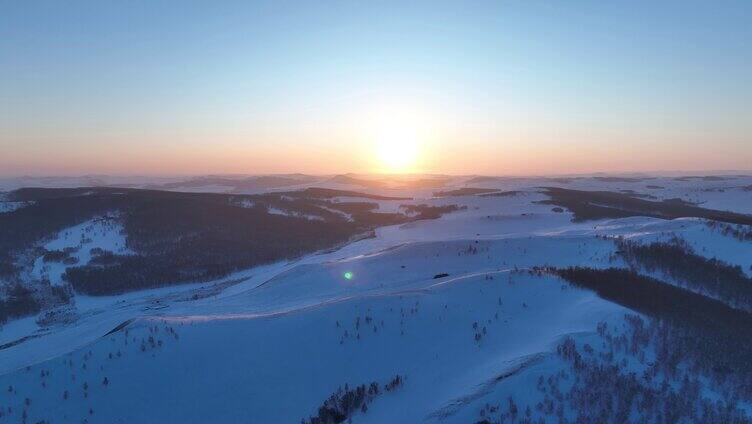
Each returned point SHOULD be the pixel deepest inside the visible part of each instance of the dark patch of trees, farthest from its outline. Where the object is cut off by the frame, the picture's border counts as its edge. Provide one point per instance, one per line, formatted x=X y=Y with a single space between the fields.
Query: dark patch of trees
x=106 y=258
x=605 y=390
x=188 y=237
x=55 y=256
x=19 y=301
x=346 y=402
x=739 y=232
x=182 y=237
x=715 y=335
x=700 y=274
x=639 y=195
x=659 y=299
x=679 y=201
x=643 y=371
x=509 y=193
x=98 y=251
x=589 y=205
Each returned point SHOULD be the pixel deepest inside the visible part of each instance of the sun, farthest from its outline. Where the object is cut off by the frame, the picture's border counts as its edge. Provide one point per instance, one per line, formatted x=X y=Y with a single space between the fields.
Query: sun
x=397 y=148
x=399 y=133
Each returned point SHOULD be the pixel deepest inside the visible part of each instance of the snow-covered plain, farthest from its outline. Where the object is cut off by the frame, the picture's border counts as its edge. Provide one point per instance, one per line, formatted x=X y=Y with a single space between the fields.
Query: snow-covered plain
x=270 y=344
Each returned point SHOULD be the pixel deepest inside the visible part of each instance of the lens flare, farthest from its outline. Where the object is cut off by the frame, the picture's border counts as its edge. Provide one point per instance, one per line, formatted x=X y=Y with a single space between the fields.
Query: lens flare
x=348 y=275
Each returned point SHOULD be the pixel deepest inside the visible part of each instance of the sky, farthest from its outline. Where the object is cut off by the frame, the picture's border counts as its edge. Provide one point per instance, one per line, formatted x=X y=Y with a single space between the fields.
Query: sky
x=251 y=87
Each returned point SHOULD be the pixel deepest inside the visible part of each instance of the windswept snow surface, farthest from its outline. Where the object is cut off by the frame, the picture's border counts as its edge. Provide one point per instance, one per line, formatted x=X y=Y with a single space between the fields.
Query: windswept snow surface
x=446 y=303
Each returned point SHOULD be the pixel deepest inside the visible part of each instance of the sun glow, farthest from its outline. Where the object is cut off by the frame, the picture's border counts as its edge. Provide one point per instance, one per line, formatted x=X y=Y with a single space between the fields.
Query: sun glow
x=397 y=149
x=398 y=134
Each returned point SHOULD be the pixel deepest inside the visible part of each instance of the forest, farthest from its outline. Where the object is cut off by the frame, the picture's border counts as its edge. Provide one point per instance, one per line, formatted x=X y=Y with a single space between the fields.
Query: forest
x=677 y=260
x=739 y=232
x=683 y=358
x=346 y=402
x=20 y=301
x=590 y=205
x=50 y=211
x=639 y=372
x=187 y=237
x=712 y=336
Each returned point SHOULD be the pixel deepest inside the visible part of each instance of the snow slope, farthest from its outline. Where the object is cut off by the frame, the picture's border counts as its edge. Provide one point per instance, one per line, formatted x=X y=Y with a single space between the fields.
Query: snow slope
x=446 y=303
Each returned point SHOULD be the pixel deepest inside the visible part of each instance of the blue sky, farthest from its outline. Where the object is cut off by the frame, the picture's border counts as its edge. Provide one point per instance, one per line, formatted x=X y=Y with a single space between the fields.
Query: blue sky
x=495 y=87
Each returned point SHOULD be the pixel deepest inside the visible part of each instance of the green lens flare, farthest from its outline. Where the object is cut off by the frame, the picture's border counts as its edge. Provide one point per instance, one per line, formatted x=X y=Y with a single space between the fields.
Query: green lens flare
x=348 y=275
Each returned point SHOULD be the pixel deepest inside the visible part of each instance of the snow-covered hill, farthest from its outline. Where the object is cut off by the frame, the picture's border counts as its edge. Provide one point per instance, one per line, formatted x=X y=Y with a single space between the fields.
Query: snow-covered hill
x=451 y=305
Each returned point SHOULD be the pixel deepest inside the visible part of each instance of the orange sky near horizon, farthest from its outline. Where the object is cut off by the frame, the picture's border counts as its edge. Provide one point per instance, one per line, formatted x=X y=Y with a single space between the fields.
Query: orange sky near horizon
x=510 y=156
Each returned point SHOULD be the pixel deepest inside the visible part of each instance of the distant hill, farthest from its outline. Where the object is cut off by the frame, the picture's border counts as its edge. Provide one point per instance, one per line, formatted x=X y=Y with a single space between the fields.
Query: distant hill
x=622 y=179
x=393 y=181
x=425 y=183
x=351 y=180
x=328 y=193
x=465 y=191
x=238 y=184
x=706 y=178
x=482 y=179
